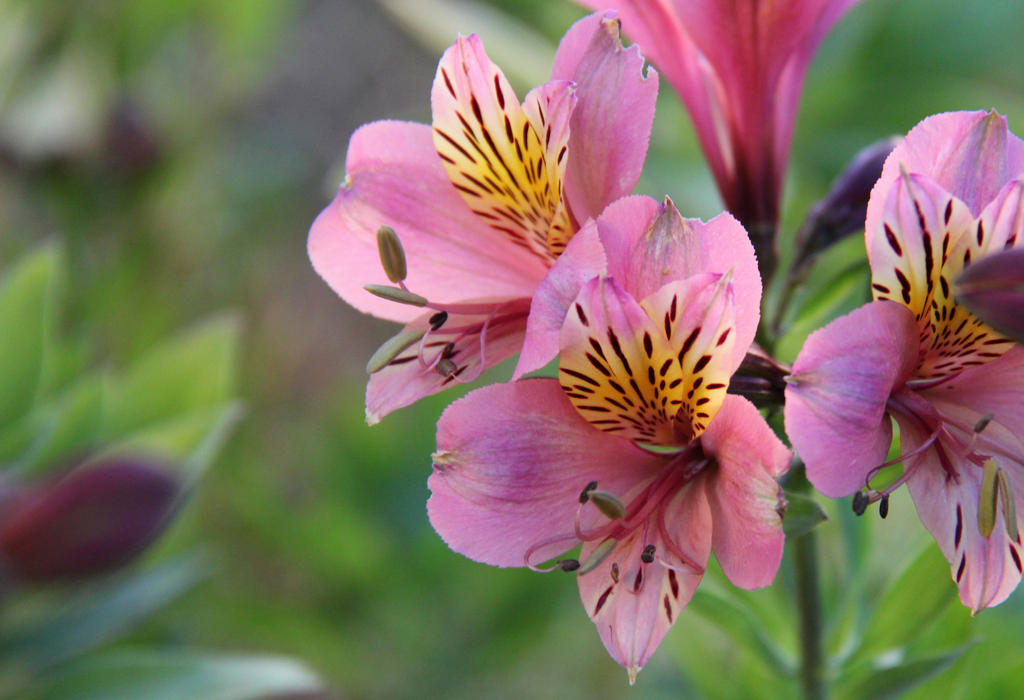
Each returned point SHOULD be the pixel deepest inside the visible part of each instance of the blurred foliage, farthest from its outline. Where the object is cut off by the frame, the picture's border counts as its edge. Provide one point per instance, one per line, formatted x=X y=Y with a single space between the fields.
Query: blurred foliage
x=177 y=150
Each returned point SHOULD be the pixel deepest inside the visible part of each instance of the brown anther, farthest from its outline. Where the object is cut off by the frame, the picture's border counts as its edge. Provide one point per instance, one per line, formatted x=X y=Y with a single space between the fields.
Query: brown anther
x=860 y=503
x=568 y=564
x=983 y=422
x=446 y=367
x=883 y=507
x=392 y=255
x=447 y=351
x=585 y=493
x=438 y=320
x=615 y=571
x=647 y=556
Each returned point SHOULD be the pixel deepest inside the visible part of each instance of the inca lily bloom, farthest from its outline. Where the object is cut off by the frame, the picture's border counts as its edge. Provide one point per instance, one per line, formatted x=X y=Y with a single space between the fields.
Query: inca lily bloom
x=639 y=455
x=483 y=203
x=739 y=68
x=948 y=195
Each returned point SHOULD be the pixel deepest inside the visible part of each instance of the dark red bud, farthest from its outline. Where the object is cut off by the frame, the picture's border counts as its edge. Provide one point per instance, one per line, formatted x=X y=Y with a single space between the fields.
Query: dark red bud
x=87 y=522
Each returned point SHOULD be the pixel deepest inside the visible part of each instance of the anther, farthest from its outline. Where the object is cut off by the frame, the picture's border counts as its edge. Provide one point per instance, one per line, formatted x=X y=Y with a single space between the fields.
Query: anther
x=647 y=556
x=608 y=504
x=392 y=255
x=983 y=422
x=860 y=503
x=987 y=499
x=446 y=367
x=395 y=294
x=1009 y=506
x=597 y=556
x=391 y=349
x=438 y=320
x=568 y=564
x=615 y=571
x=883 y=507
x=447 y=351
x=585 y=493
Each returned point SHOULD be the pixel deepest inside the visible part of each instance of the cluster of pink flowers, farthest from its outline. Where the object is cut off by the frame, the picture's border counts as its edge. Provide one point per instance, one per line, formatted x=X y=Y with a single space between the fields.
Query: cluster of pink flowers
x=509 y=227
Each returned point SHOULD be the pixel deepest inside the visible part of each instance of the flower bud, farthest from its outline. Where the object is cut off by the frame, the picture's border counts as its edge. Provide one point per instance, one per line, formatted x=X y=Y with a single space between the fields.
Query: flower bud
x=843 y=209
x=87 y=522
x=992 y=288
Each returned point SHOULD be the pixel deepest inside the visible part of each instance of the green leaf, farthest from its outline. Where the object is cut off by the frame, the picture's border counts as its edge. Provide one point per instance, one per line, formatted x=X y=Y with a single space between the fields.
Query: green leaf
x=803 y=513
x=27 y=306
x=895 y=681
x=192 y=371
x=171 y=675
x=742 y=626
x=911 y=602
x=96 y=614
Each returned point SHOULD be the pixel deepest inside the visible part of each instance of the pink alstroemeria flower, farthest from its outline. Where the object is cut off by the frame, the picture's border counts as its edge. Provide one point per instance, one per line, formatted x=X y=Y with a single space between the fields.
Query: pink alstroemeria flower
x=639 y=455
x=950 y=194
x=739 y=68
x=484 y=201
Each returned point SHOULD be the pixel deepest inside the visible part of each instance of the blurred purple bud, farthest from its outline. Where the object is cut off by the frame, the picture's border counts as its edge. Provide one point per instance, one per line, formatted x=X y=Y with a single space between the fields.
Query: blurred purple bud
x=131 y=147
x=87 y=522
x=992 y=288
x=843 y=209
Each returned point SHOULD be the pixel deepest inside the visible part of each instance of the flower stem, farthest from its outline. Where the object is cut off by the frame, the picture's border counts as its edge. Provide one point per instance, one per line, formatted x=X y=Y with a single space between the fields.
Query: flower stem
x=808 y=601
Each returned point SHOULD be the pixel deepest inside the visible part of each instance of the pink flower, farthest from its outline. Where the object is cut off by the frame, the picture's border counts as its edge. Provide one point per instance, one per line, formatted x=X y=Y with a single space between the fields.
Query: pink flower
x=639 y=455
x=739 y=68
x=948 y=195
x=483 y=202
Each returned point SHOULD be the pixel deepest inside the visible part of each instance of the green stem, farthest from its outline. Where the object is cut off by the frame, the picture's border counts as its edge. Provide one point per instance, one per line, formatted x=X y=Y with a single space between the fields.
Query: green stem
x=808 y=602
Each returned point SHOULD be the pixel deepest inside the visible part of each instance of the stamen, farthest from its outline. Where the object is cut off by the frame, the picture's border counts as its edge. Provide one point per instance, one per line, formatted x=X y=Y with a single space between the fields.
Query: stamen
x=1009 y=506
x=647 y=556
x=987 y=499
x=438 y=320
x=608 y=504
x=568 y=564
x=392 y=255
x=598 y=555
x=391 y=349
x=883 y=507
x=448 y=351
x=585 y=493
x=860 y=503
x=402 y=296
x=983 y=422
x=615 y=571
x=446 y=367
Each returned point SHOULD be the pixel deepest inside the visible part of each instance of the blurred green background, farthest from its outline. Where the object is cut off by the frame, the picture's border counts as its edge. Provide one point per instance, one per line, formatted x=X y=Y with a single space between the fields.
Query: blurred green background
x=180 y=149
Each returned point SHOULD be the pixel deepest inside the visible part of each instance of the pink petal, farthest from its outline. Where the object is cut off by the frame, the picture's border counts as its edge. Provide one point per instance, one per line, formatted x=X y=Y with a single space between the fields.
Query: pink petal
x=479 y=341
x=993 y=289
x=835 y=400
x=511 y=462
x=582 y=260
x=970 y=154
x=986 y=569
x=744 y=495
x=395 y=178
x=612 y=123
x=634 y=610
x=649 y=244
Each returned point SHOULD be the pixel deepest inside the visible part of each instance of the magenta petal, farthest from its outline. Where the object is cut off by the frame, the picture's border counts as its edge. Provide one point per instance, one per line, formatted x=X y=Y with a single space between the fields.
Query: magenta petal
x=970 y=154
x=648 y=244
x=836 y=396
x=611 y=125
x=581 y=260
x=479 y=341
x=395 y=178
x=634 y=609
x=744 y=495
x=511 y=462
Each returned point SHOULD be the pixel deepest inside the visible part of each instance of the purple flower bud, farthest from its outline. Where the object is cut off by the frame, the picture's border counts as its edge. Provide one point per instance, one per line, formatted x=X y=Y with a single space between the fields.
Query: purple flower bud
x=992 y=288
x=88 y=521
x=843 y=209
